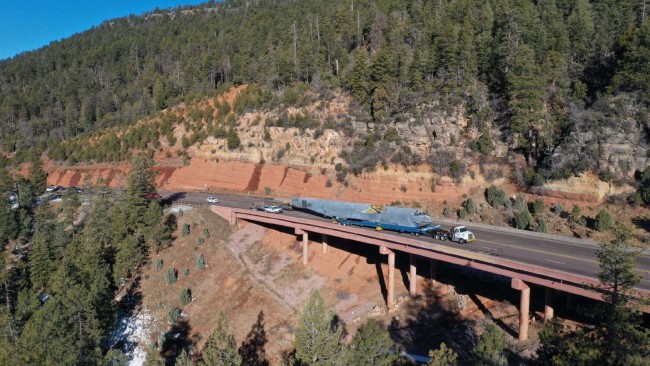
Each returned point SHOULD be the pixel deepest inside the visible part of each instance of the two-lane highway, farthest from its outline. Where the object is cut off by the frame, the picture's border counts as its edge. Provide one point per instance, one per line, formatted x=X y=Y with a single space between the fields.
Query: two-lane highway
x=549 y=251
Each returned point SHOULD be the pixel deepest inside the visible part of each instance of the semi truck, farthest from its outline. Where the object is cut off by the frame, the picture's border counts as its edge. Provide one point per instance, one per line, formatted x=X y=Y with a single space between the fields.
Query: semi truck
x=458 y=234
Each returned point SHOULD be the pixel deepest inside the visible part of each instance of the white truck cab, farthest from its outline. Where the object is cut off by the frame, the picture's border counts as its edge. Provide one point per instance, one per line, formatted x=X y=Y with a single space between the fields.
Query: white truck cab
x=461 y=234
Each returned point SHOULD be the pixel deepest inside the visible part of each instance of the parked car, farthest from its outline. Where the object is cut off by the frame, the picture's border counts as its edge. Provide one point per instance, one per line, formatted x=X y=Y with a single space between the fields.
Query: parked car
x=272 y=209
x=53 y=189
x=287 y=206
x=213 y=200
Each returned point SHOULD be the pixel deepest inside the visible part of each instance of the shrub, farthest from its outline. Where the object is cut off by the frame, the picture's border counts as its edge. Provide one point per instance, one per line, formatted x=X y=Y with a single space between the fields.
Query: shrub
x=604 y=221
x=403 y=188
x=185 y=231
x=200 y=262
x=496 y=197
x=538 y=207
x=447 y=211
x=159 y=264
x=267 y=190
x=171 y=276
x=340 y=175
x=233 y=140
x=186 y=272
x=523 y=220
x=206 y=233
x=338 y=167
x=456 y=169
x=462 y=214
x=200 y=241
x=558 y=209
x=575 y=215
x=185 y=296
x=173 y=315
x=520 y=201
x=541 y=225
x=328 y=184
x=469 y=206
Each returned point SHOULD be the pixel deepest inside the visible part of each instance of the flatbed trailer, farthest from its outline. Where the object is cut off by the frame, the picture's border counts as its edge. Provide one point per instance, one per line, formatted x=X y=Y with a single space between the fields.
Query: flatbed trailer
x=424 y=230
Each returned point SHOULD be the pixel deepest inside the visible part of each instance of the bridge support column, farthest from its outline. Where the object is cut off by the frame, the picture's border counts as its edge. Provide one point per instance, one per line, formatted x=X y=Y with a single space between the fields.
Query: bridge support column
x=524 y=306
x=548 y=304
x=569 y=302
x=433 y=272
x=325 y=243
x=413 y=288
x=390 y=290
x=305 y=245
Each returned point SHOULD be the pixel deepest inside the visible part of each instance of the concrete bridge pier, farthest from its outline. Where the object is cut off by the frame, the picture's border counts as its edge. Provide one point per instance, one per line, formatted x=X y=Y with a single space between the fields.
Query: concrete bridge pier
x=413 y=288
x=548 y=304
x=433 y=272
x=305 y=245
x=390 y=287
x=524 y=307
x=325 y=239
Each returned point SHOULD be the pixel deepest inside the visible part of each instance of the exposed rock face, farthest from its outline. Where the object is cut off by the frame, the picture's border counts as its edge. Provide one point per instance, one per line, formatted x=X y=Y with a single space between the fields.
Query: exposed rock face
x=293 y=161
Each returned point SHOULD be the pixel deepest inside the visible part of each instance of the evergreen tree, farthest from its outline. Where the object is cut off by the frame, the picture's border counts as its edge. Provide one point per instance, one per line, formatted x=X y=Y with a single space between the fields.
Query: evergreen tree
x=624 y=340
x=359 y=78
x=525 y=94
x=233 y=140
x=220 y=349
x=489 y=349
x=140 y=184
x=372 y=345
x=317 y=339
x=443 y=356
x=183 y=359
x=37 y=177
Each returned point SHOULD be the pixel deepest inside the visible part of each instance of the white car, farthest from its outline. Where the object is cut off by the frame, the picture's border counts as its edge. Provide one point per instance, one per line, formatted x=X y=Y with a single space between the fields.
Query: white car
x=272 y=209
x=213 y=200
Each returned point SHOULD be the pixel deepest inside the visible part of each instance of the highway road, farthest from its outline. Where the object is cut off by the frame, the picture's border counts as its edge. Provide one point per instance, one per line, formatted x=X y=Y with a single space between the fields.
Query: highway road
x=549 y=251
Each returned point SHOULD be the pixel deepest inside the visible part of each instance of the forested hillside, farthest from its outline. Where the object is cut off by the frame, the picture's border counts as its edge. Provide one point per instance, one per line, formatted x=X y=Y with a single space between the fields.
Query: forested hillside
x=542 y=72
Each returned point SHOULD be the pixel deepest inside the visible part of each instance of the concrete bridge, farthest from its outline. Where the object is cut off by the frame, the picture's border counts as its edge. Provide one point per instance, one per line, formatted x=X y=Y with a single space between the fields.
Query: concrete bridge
x=387 y=243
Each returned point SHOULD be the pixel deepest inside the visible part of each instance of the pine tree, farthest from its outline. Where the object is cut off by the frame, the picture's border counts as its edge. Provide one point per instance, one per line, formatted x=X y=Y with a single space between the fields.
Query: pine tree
x=317 y=339
x=358 y=81
x=37 y=177
x=624 y=340
x=443 y=356
x=233 y=140
x=220 y=349
x=183 y=359
x=525 y=94
x=140 y=183
x=40 y=261
x=372 y=345
x=490 y=347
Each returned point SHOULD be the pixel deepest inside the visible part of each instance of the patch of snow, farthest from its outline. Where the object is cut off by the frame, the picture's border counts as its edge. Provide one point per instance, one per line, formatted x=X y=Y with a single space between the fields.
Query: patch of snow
x=178 y=208
x=130 y=334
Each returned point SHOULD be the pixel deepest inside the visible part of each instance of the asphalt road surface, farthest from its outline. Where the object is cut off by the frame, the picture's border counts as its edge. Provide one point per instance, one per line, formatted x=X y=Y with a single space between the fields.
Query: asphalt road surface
x=572 y=256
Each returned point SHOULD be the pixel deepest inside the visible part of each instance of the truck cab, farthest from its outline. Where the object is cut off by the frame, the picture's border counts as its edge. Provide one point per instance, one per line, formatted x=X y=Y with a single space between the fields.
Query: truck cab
x=461 y=234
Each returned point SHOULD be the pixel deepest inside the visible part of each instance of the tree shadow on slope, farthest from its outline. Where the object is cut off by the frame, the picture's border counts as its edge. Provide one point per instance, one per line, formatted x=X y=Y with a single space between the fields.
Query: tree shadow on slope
x=252 y=350
x=176 y=339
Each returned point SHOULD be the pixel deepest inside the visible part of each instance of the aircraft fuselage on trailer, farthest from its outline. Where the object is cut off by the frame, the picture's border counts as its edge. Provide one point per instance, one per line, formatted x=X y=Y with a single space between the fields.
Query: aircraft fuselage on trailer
x=363 y=212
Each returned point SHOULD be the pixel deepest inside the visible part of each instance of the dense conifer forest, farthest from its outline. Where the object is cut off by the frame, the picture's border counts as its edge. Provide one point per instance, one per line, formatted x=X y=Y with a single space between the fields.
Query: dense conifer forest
x=537 y=70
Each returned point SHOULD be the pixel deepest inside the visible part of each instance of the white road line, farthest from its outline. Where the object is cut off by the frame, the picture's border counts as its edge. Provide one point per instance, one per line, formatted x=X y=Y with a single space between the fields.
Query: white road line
x=550 y=260
x=488 y=248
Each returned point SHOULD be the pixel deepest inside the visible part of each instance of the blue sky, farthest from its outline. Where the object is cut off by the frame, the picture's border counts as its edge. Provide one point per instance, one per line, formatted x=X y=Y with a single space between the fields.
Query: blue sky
x=26 y=25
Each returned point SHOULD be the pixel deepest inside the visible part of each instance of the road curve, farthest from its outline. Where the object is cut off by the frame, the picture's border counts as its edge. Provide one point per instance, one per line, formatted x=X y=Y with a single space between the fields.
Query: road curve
x=548 y=251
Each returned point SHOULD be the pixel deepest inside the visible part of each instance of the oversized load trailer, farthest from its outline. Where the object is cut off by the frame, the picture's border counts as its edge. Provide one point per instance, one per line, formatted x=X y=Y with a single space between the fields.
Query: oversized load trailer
x=413 y=230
